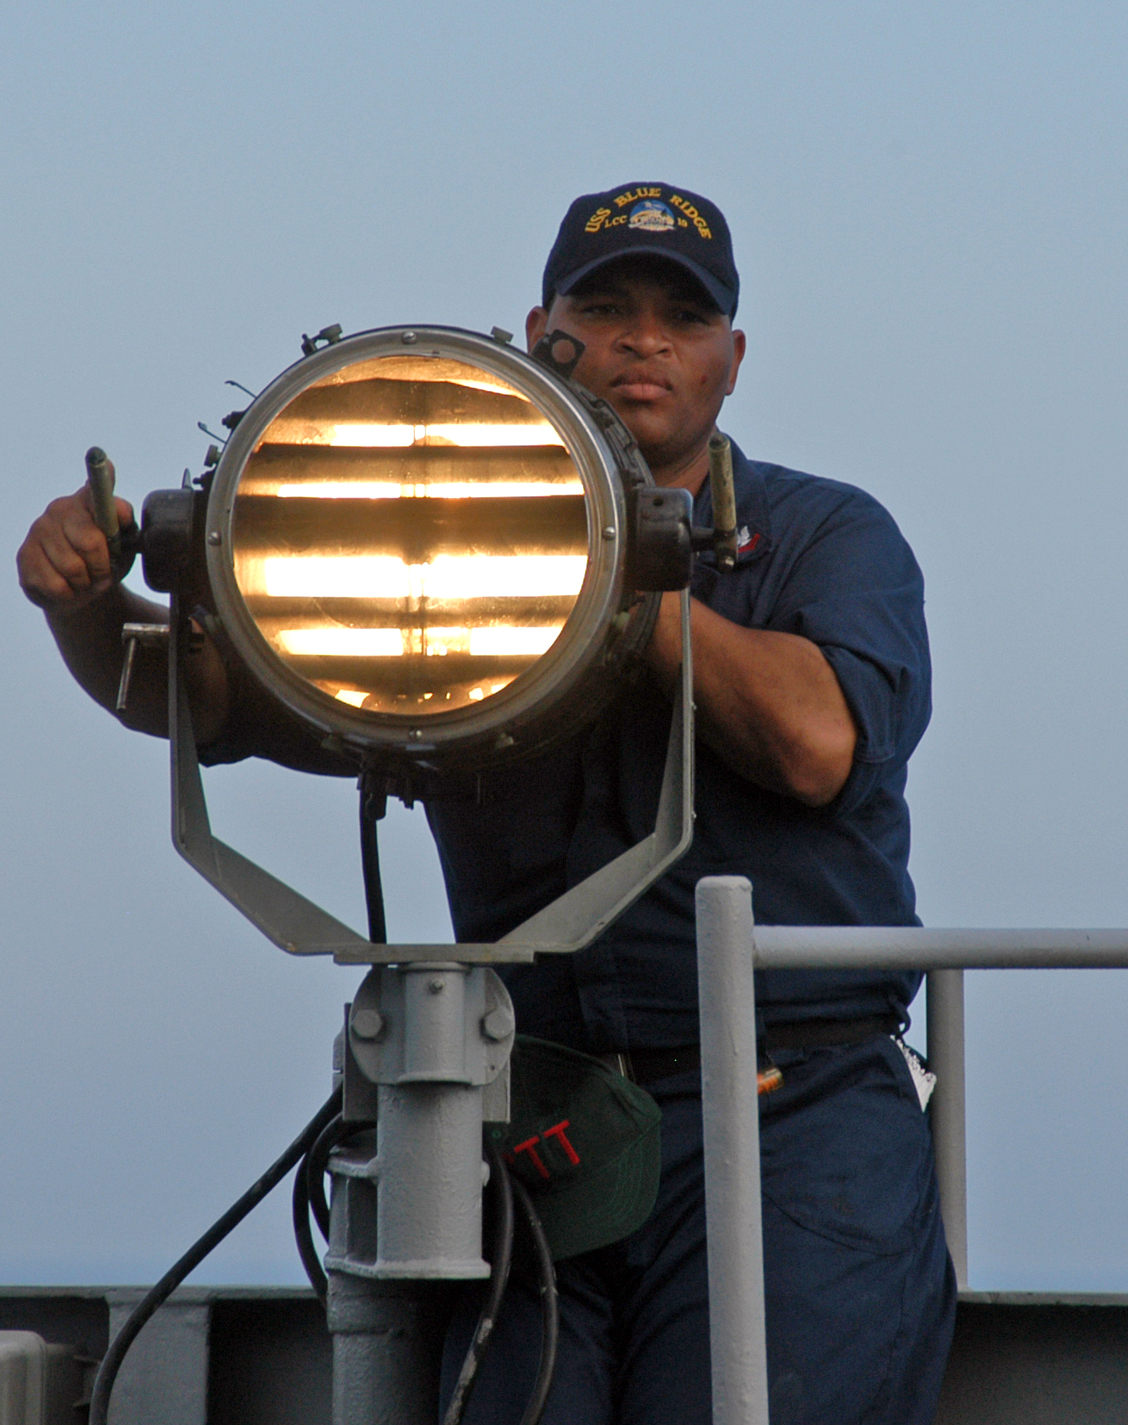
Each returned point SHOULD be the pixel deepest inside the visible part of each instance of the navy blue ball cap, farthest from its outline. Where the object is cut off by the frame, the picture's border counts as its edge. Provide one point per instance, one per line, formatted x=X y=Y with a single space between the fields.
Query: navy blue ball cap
x=655 y=219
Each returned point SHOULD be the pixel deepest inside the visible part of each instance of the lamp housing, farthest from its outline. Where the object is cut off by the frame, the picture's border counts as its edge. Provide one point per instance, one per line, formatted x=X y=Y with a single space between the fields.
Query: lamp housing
x=432 y=549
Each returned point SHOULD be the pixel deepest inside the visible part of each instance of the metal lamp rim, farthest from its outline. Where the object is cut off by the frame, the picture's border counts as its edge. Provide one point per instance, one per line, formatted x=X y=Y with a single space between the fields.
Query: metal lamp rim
x=557 y=671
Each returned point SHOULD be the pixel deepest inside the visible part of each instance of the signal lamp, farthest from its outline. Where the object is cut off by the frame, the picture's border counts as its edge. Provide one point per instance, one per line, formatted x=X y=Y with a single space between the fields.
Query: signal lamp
x=436 y=553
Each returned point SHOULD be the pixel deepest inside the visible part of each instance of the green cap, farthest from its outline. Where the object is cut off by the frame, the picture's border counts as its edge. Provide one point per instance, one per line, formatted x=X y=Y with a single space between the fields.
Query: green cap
x=586 y=1143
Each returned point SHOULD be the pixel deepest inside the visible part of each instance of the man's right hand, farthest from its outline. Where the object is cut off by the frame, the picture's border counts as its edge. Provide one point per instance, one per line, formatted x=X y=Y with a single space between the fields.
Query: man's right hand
x=64 y=567
x=64 y=563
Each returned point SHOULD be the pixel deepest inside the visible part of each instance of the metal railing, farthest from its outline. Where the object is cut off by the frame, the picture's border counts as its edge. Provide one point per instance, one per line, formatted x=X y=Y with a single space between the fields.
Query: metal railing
x=725 y=930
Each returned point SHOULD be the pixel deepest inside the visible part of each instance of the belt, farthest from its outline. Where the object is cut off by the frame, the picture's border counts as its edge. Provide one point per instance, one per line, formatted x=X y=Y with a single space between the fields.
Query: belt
x=829 y=1033
x=644 y=1066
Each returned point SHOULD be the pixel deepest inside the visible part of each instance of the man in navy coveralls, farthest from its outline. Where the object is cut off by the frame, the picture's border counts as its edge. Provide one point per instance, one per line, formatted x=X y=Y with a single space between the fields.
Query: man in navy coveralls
x=812 y=689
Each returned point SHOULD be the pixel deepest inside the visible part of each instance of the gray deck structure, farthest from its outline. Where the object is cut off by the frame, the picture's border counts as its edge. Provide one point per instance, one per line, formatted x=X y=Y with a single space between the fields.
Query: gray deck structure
x=256 y=1356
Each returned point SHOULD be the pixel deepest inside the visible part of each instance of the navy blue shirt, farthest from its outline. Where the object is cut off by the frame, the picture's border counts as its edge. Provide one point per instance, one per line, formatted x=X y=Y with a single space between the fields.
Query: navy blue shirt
x=817 y=558
x=820 y=559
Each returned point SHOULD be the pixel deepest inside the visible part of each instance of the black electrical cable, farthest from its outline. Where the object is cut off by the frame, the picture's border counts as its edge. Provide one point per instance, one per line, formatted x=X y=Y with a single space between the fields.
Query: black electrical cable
x=373 y=808
x=499 y=1278
x=550 y=1312
x=303 y=1236
x=313 y=1170
x=317 y=1163
x=111 y=1362
x=309 y=1196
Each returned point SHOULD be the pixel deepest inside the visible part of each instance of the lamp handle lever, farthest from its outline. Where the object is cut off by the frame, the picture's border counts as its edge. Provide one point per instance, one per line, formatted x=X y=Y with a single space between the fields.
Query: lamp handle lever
x=724 y=501
x=100 y=478
x=148 y=635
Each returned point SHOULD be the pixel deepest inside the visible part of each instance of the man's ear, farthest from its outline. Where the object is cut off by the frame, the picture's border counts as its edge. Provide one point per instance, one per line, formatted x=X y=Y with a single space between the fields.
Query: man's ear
x=739 y=345
x=536 y=324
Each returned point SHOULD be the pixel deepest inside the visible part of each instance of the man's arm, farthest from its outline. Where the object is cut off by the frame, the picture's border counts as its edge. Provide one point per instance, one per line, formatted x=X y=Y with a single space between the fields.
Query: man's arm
x=64 y=568
x=768 y=703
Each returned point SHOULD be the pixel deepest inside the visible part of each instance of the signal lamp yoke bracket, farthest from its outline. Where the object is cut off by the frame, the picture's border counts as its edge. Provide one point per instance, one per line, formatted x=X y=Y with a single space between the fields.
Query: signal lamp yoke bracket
x=300 y=927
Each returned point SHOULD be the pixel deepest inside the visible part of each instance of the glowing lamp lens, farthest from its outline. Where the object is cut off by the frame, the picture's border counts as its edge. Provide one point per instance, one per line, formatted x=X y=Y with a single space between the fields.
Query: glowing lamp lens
x=410 y=534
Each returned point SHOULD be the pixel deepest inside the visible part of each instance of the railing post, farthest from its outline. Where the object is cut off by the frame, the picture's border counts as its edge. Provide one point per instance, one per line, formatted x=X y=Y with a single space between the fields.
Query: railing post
x=947 y=1108
x=730 y=1108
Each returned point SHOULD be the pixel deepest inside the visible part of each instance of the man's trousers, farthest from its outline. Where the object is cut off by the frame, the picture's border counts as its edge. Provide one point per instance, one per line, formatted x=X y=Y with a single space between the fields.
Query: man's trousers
x=860 y=1292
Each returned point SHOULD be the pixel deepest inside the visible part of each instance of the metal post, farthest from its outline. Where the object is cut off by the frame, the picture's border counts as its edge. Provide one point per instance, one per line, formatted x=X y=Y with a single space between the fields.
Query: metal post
x=387 y=1344
x=732 y=1151
x=425 y=1041
x=947 y=1108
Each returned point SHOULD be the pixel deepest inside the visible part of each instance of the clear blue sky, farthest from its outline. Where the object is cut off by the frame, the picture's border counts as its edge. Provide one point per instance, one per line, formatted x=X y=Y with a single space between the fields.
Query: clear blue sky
x=929 y=206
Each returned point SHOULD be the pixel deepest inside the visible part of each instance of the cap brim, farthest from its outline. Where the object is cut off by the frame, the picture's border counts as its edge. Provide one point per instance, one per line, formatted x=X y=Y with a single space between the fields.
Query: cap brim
x=724 y=297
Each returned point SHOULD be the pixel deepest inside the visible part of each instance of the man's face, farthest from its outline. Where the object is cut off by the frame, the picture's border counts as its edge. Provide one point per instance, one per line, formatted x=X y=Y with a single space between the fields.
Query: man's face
x=657 y=350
